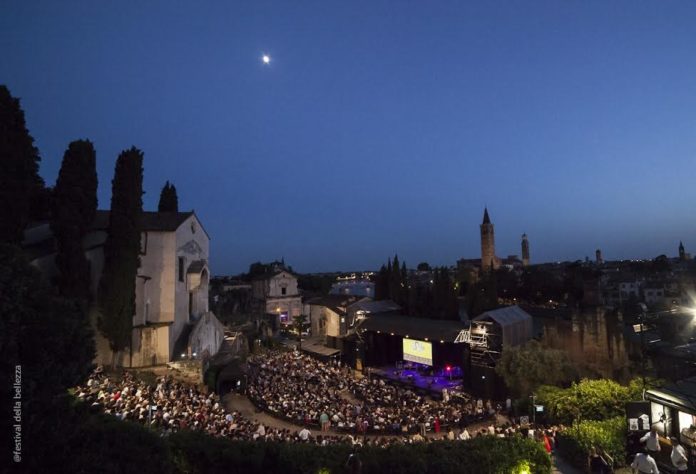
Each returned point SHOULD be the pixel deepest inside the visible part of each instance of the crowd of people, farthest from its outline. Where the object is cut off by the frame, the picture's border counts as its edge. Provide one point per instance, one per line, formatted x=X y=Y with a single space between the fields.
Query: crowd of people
x=307 y=392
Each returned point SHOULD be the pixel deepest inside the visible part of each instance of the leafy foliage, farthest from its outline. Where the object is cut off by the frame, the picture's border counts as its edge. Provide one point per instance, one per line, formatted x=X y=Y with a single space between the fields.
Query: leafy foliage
x=525 y=368
x=609 y=435
x=73 y=439
x=47 y=335
x=121 y=250
x=196 y=453
x=300 y=325
x=586 y=400
x=74 y=206
x=20 y=183
x=168 y=201
x=316 y=284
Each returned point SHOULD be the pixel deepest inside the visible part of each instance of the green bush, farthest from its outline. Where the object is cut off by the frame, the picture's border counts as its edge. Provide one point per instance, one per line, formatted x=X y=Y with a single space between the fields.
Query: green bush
x=609 y=435
x=586 y=400
x=71 y=438
x=195 y=453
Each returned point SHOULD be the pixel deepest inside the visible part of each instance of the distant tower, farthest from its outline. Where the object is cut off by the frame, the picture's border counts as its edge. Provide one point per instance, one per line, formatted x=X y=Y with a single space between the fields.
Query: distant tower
x=525 y=251
x=598 y=257
x=488 y=259
x=682 y=253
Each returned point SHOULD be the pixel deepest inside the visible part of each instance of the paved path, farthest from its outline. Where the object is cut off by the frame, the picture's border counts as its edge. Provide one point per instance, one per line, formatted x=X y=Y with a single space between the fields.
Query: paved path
x=562 y=467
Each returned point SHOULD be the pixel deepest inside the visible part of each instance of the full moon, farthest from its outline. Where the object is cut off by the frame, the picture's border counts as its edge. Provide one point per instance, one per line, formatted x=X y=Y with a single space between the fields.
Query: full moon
x=266 y=59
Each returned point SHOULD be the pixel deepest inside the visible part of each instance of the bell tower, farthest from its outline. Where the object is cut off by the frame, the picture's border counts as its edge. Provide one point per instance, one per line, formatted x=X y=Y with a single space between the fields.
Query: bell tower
x=488 y=259
x=525 y=251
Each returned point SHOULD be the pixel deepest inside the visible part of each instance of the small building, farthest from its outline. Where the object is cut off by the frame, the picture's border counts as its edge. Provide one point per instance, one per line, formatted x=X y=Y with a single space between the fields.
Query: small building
x=275 y=292
x=654 y=293
x=673 y=413
x=328 y=315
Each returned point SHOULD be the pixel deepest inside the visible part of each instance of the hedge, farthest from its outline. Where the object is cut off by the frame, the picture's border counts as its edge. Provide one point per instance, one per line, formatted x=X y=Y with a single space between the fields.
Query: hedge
x=610 y=435
x=196 y=453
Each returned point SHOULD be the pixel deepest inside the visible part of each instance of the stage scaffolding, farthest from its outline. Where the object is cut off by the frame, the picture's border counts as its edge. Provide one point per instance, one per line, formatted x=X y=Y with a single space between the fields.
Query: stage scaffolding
x=483 y=344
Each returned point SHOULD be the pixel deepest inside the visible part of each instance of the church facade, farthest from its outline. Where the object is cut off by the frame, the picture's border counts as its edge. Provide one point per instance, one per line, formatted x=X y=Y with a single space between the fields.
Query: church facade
x=171 y=295
x=275 y=292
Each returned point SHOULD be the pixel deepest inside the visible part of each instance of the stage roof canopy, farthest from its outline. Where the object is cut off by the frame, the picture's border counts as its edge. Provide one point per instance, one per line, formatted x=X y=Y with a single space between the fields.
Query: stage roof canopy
x=414 y=328
x=515 y=323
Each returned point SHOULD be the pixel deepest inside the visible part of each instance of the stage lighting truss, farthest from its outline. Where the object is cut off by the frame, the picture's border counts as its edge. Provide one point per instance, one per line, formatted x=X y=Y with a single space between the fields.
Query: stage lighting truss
x=476 y=336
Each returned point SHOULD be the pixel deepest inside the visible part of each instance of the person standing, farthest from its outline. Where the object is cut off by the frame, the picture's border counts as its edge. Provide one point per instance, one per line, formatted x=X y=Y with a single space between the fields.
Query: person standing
x=652 y=441
x=324 y=421
x=679 y=458
x=595 y=462
x=644 y=463
x=547 y=443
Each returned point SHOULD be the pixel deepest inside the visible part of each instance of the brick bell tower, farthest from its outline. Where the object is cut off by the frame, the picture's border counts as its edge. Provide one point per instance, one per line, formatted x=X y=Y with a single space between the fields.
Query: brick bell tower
x=525 y=251
x=488 y=260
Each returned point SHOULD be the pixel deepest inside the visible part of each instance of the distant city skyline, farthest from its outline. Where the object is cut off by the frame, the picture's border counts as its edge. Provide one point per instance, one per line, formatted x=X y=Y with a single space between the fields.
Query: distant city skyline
x=377 y=128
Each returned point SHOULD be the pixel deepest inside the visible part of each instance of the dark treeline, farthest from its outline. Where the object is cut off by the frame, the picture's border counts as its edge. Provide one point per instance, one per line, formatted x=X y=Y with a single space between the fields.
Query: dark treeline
x=46 y=335
x=434 y=299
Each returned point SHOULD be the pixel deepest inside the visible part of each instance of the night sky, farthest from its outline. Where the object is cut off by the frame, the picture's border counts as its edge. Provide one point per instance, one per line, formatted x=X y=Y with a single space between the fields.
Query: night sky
x=378 y=127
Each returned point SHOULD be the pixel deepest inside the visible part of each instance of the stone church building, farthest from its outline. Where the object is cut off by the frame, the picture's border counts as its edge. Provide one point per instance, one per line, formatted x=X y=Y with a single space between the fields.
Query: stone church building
x=275 y=292
x=171 y=298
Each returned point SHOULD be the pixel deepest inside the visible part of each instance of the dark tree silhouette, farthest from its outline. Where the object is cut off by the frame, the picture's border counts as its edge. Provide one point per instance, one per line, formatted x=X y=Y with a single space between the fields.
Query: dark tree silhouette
x=47 y=336
x=300 y=324
x=117 y=285
x=168 y=201
x=74 y=206
x=20 y=183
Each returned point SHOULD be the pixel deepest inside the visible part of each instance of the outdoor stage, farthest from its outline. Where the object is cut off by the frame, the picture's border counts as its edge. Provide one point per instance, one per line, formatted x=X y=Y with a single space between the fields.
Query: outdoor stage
x=421 y=378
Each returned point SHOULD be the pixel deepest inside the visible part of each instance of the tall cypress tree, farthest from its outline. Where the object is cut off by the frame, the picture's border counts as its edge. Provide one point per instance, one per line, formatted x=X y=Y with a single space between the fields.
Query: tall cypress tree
x=73 y=209
x=20 y=183
x=121 y=249
x=395 y=280
x=168 y=201
x=382 y=284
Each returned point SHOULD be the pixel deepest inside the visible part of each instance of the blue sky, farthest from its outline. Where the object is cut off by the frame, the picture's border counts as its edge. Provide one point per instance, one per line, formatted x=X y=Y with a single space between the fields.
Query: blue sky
x=378 y=127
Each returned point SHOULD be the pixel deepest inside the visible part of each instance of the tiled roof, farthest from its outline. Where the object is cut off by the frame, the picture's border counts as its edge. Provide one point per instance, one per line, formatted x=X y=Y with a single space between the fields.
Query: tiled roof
x=150 y=221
